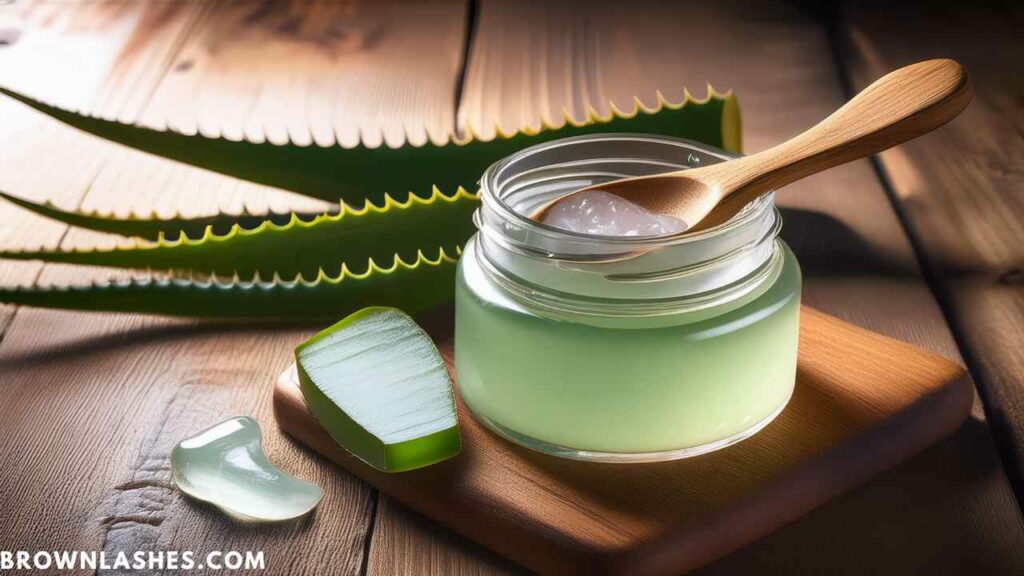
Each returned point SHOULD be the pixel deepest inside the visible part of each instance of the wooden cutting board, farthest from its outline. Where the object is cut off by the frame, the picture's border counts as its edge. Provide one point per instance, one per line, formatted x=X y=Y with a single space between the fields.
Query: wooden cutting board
x=863 y=403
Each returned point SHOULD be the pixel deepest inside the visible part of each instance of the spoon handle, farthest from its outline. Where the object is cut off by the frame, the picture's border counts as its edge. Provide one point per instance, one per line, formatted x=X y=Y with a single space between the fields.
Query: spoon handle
x=897 y=107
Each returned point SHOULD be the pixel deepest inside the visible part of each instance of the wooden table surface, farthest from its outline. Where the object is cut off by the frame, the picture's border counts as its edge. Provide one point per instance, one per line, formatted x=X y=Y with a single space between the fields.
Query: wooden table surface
x=925 y=244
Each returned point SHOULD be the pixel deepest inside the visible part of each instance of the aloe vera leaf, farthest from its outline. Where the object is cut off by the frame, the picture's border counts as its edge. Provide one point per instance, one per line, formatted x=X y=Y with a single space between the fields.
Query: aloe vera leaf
x=351 y=237
x=359 y=173
x=378 y=385
x=414 y=287
x=152 y=228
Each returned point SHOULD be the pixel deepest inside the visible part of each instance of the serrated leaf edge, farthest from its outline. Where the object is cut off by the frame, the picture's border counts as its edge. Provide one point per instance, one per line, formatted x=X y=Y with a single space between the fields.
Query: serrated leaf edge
x=591 y=116
x=256 y=282
x=132 y=216
x=209 y=235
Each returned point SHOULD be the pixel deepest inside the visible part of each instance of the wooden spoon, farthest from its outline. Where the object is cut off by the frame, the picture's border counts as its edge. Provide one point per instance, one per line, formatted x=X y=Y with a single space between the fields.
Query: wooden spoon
x=898 y=107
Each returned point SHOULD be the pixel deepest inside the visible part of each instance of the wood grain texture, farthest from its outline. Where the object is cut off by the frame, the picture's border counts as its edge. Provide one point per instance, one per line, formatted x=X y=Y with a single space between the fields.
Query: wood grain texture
x=439 y=551
x=101 y=57
x=961 y=190
x=947 y=508
x=98 y=401
x=862 y=403
x=318 y=73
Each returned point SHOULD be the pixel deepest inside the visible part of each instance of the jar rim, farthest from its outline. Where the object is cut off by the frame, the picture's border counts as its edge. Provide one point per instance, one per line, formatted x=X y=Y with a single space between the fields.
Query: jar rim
x=490 y=194
x=669 y=273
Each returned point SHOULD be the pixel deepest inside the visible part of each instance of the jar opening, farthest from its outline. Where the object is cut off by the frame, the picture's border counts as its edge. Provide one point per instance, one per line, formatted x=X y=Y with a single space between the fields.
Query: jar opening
x=634 y=269
x=518 y=185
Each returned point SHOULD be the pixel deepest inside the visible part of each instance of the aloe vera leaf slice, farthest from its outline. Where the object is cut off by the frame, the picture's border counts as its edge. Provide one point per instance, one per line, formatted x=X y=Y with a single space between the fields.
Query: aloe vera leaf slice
x=153 y=227
x=359 y=173
x=379 y=386
x=226 y=466
x=351 y=237
x=416 y=287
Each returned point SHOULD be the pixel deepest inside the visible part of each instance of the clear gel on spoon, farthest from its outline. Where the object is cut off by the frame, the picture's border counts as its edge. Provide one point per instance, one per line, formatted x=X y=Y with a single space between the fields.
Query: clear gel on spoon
x=600 y=213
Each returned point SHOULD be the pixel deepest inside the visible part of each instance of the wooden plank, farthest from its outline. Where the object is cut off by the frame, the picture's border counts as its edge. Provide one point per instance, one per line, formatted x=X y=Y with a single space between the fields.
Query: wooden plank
x=318 y=73
x=98 y=401
x=428 y=548
x=959 y=190
x=862 y=403
x=103 y=57
x=948 y=507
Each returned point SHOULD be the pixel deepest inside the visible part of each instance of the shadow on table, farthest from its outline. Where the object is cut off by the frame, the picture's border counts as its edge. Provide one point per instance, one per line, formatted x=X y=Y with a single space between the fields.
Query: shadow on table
x=911 y=510
x=903 y=517
x=438 y=323
x=826 y=246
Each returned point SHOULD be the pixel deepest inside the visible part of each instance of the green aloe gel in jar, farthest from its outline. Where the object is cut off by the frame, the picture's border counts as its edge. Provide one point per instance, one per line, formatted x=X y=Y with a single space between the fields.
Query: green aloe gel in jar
x=629 y=347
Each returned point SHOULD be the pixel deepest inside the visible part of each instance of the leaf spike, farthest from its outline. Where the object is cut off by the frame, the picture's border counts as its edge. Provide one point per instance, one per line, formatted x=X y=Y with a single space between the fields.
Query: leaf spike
x=210 y=130
x=502 y=133
x=321 y=275
x=591 y=115
x=366 y=135
x=719 y=95
x=580 y=123
x=631 y=113
x=530 y=129
x=439 y=139
x=689 y=97
x=616 y=109
x=392 y=202
x=546 y=123
x=306 y=134
x=662 y=101
x=373 y=267
x=346 y=272
x=406 y=137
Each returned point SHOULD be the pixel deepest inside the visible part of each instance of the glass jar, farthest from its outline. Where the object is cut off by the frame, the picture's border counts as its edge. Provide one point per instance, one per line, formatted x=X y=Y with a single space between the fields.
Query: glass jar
x=624 y=349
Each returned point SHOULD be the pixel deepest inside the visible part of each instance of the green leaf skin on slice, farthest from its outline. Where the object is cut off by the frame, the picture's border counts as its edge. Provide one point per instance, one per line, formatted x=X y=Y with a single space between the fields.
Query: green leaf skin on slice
x=379 y=386
x=417 y=287
x=152 y=227
x=359 y=173
x=351 y=237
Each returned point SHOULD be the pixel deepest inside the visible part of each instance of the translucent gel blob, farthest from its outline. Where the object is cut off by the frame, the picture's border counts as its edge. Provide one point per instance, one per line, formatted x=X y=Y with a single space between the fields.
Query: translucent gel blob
x=225 y=466
x=600 y=213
